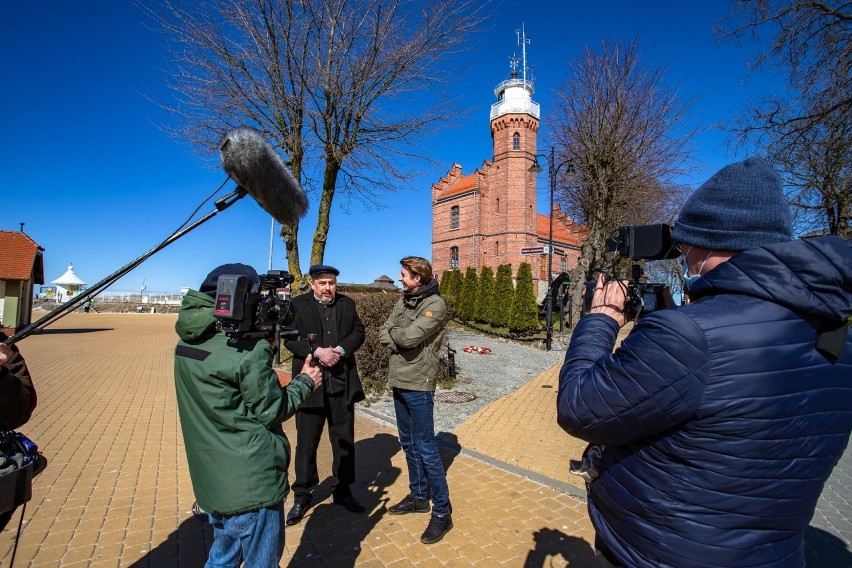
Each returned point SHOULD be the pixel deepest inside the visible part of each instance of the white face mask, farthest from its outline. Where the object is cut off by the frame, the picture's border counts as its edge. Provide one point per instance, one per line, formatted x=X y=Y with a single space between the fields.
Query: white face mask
x=688 y=280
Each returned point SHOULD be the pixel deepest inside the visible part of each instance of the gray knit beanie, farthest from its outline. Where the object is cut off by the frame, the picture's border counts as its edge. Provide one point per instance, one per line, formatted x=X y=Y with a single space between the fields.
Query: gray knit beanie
x=740 y=207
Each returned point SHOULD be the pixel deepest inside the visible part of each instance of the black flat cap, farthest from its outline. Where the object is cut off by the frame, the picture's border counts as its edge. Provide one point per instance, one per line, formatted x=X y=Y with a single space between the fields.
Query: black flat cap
x=323 y=269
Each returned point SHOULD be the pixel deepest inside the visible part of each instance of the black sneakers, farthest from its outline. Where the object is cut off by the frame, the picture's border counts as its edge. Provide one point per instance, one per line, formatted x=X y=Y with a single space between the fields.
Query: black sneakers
x=410 y=504
x=438 y=527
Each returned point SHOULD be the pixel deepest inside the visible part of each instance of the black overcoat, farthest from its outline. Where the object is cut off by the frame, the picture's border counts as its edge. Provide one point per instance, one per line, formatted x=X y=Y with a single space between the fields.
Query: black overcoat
x=350 y=334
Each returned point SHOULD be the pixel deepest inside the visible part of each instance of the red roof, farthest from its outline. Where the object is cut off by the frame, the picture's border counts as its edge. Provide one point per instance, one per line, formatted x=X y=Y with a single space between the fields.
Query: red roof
x=564 y=230
x=463 y=184
x=21 y=258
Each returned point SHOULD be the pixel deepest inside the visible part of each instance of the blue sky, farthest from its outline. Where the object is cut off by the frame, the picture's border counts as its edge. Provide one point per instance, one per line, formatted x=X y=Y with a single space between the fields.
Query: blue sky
x=98 y=183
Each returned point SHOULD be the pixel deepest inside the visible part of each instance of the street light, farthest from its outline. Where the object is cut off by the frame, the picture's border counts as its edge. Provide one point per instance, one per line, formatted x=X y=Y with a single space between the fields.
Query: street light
x=552 y=171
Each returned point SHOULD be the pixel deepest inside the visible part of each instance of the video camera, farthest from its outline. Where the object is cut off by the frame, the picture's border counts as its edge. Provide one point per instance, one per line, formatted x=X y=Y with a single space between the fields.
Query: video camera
x=639 y=242
x=245 y=309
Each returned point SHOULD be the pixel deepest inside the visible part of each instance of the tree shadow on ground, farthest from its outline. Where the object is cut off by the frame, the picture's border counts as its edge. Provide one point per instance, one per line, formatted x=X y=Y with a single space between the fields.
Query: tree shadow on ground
x=186 y=547
x=551 y=543
x=333 y=535
x=825 y=550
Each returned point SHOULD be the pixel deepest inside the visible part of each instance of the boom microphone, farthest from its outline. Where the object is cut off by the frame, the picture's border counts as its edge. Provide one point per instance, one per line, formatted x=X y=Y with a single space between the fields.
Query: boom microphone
x=250 y=161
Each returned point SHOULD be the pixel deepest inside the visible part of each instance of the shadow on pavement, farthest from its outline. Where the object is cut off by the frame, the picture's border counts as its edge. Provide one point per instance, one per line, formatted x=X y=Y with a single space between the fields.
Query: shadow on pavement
x=186 y=547
x=332 y=534
x=551 y=543
x=72 y=330
x=448 y=445
x=825 y=550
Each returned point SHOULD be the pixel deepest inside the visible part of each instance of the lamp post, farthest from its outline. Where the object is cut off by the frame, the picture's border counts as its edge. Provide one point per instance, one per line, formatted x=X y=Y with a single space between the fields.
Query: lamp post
x=552 y=171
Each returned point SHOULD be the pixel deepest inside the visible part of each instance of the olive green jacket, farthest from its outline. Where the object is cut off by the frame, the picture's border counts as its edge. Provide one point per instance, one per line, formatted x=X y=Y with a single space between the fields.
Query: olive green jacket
x=414 y=333
x=231 y=407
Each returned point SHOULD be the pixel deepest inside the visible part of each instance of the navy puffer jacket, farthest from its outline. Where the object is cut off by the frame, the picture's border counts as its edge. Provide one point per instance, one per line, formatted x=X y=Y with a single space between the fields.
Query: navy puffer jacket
x=721 y=419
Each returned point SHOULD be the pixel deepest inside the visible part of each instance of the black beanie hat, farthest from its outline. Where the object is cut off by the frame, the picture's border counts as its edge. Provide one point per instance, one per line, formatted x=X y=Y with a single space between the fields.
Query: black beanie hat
x=209 y=285
x=740 y=207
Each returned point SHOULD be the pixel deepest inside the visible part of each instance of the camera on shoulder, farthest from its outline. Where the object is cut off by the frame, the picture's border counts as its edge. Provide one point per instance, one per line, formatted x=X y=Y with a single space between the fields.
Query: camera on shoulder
x=638 y=242
x=245 y=309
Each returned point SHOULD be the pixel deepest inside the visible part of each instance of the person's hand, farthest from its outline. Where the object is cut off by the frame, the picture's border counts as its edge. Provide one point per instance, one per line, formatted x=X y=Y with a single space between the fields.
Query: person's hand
x=609 y=299
x=327 y=356
x=5 y=353
x=312 y=371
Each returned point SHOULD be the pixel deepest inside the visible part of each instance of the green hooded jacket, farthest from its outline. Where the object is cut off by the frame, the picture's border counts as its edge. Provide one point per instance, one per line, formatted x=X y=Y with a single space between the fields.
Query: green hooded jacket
x=231 y=408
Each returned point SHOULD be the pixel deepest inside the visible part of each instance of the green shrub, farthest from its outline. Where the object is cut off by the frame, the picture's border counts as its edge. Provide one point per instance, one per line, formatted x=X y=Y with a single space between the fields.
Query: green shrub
x=466 y=305
x=485 y=297
x=451 y=284
x=524 y=316
x=504 y=294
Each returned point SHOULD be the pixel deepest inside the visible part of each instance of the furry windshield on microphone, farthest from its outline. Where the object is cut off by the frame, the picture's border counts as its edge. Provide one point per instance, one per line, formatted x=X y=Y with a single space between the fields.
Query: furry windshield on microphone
x=250 y=161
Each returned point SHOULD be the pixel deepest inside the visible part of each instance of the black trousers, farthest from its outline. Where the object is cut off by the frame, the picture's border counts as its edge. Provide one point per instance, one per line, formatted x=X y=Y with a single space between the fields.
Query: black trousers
x=341 y=433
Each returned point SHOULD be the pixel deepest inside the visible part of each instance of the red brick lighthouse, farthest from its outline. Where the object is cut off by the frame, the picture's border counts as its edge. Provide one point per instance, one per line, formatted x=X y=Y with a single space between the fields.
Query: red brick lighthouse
x=488 y=217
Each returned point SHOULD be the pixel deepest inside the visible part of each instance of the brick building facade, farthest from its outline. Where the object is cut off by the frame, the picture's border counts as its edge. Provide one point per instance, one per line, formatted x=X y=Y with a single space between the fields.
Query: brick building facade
x=487 y=217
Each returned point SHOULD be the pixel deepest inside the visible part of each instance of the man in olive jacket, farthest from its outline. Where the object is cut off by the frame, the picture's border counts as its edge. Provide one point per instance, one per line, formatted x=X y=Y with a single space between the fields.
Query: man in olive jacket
x=414 y=333
x=231 y=407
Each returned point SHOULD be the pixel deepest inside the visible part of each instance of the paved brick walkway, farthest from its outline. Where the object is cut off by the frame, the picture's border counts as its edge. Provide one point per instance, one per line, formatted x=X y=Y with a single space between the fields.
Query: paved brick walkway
x=117 y=491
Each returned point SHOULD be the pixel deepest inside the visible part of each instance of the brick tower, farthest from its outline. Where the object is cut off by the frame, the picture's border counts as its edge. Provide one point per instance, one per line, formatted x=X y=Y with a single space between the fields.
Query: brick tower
x=485 y=218
x=509 y=220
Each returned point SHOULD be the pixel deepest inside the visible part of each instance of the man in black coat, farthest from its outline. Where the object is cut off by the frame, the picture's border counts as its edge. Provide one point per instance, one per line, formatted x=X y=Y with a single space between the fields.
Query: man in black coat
x=330 y=329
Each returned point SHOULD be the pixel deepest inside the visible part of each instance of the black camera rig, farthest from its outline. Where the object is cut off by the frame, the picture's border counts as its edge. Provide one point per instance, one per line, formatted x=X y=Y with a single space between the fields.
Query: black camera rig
x=638 y=242
x=246 y=309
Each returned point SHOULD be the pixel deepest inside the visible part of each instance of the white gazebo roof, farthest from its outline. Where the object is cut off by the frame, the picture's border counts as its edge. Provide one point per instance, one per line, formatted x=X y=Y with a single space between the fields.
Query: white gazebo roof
x=69 y=278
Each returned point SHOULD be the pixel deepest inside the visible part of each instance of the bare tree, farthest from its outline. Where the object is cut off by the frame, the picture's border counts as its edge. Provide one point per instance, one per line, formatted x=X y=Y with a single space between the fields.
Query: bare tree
x=807 y=130
x=813 y=40
x=341 y=81
x=625 y=133
x=817 y=168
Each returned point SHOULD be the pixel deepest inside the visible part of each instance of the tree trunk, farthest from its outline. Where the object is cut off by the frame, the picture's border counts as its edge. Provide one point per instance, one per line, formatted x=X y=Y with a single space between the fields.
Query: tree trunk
x=291 y=245
x=329 y=183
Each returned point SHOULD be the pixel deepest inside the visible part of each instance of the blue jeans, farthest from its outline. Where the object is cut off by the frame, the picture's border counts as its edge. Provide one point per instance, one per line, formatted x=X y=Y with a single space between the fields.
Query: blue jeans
x=415 y=422
x=256 y=538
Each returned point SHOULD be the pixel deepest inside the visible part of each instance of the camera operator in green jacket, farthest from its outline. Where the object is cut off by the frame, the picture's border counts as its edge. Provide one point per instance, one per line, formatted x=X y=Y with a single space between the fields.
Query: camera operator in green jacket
x=231 y=407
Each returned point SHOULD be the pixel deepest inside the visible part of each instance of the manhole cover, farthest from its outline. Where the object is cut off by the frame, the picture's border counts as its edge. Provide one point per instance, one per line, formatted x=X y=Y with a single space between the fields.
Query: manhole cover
x=454 y=396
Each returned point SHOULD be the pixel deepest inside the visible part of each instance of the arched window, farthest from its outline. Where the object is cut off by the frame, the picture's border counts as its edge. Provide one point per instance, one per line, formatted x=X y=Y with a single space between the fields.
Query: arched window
x=454 y=217
x=516 y=141
x=498 y=206
x=454 y=257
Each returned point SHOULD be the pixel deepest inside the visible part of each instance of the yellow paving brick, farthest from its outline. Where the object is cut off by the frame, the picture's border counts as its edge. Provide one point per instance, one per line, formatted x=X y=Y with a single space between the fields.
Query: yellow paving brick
x=388 y=553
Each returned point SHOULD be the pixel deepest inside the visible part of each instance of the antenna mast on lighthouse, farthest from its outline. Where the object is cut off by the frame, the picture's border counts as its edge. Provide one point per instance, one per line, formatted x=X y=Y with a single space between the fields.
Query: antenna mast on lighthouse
x=523 y=40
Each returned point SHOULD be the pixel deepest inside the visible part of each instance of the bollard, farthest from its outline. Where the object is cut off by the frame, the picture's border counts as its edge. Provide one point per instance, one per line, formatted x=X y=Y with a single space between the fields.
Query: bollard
x=451 y=361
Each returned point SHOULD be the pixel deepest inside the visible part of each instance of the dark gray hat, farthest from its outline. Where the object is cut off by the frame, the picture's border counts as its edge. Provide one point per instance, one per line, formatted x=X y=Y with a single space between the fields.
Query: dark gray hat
x=740 y=207
x=209 y=285
x=322 y=269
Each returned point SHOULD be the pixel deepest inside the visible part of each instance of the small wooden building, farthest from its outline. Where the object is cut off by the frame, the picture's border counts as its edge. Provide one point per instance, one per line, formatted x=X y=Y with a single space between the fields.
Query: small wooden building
x=21 y=268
